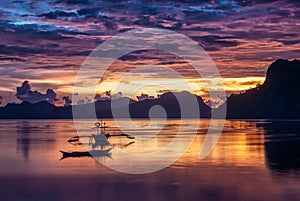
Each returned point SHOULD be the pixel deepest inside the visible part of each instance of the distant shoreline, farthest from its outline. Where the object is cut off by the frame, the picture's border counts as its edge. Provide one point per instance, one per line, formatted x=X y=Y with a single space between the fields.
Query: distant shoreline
x=106 y=118
x=276 y=98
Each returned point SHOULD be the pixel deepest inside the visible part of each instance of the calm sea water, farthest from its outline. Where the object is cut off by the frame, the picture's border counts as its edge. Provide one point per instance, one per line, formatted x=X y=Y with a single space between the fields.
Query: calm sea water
x=253 y=160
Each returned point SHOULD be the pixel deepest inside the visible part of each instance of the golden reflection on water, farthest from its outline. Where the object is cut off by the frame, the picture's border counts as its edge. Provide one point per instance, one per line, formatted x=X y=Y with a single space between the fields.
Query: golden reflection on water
x=32 y=146
x=253 y=160
x=241 y=144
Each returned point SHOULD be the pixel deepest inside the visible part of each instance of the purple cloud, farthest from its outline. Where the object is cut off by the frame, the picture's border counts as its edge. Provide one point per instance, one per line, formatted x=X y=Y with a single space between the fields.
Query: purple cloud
x=67 y=100
x=242 y=36
x=24 y=93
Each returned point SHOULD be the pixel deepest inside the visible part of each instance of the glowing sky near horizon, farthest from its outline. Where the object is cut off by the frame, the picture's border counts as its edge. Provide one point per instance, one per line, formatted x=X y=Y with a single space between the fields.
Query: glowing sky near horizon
x=46 y=42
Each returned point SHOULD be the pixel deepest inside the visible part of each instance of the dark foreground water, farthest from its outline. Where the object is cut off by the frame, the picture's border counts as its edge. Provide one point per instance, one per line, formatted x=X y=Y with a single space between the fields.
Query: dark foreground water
x=253 y=160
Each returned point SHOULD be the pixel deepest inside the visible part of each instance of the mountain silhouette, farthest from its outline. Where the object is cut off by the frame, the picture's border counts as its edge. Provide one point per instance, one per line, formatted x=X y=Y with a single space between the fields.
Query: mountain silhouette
x=103 y=108
x=277 y=97
x=25 y=110
x=169 y=102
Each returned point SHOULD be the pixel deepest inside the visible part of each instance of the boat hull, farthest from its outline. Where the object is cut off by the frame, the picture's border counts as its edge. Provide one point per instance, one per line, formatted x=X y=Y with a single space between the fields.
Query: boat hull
x=91 y=153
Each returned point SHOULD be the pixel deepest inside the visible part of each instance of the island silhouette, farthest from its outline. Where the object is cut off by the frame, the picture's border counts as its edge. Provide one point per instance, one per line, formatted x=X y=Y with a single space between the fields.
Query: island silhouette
x=278 y=97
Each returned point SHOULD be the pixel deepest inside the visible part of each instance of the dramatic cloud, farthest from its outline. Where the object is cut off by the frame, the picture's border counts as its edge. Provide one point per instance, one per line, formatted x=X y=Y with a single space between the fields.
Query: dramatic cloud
x=57 y=14
x=97 y=97
x=53 y=38
x=67 y=100
x=24 y=93
x=107 y=95
x=80 y=102
x=1 y=98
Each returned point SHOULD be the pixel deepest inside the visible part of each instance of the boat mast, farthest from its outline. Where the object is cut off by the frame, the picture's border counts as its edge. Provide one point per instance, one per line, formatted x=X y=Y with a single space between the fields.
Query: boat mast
x=102 y=126
x=98 y=125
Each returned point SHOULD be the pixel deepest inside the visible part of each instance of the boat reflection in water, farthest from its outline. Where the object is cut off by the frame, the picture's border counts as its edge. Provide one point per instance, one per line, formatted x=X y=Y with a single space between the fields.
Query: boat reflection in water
x=98 y=143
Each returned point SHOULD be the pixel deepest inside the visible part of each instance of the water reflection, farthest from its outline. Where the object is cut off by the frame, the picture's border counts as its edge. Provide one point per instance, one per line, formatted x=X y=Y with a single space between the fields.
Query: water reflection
x=266 y=144
x=241 y=144
x=23 y=140
x=282 y=145
x=30 y=133
x=238 y=168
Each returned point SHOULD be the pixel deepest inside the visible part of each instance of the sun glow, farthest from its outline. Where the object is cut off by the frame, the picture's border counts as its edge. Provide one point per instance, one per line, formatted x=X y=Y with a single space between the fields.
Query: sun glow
x=158 y=86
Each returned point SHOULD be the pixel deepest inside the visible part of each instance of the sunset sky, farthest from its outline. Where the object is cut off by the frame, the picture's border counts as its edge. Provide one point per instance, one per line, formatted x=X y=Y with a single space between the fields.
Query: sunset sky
x=45 y=42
